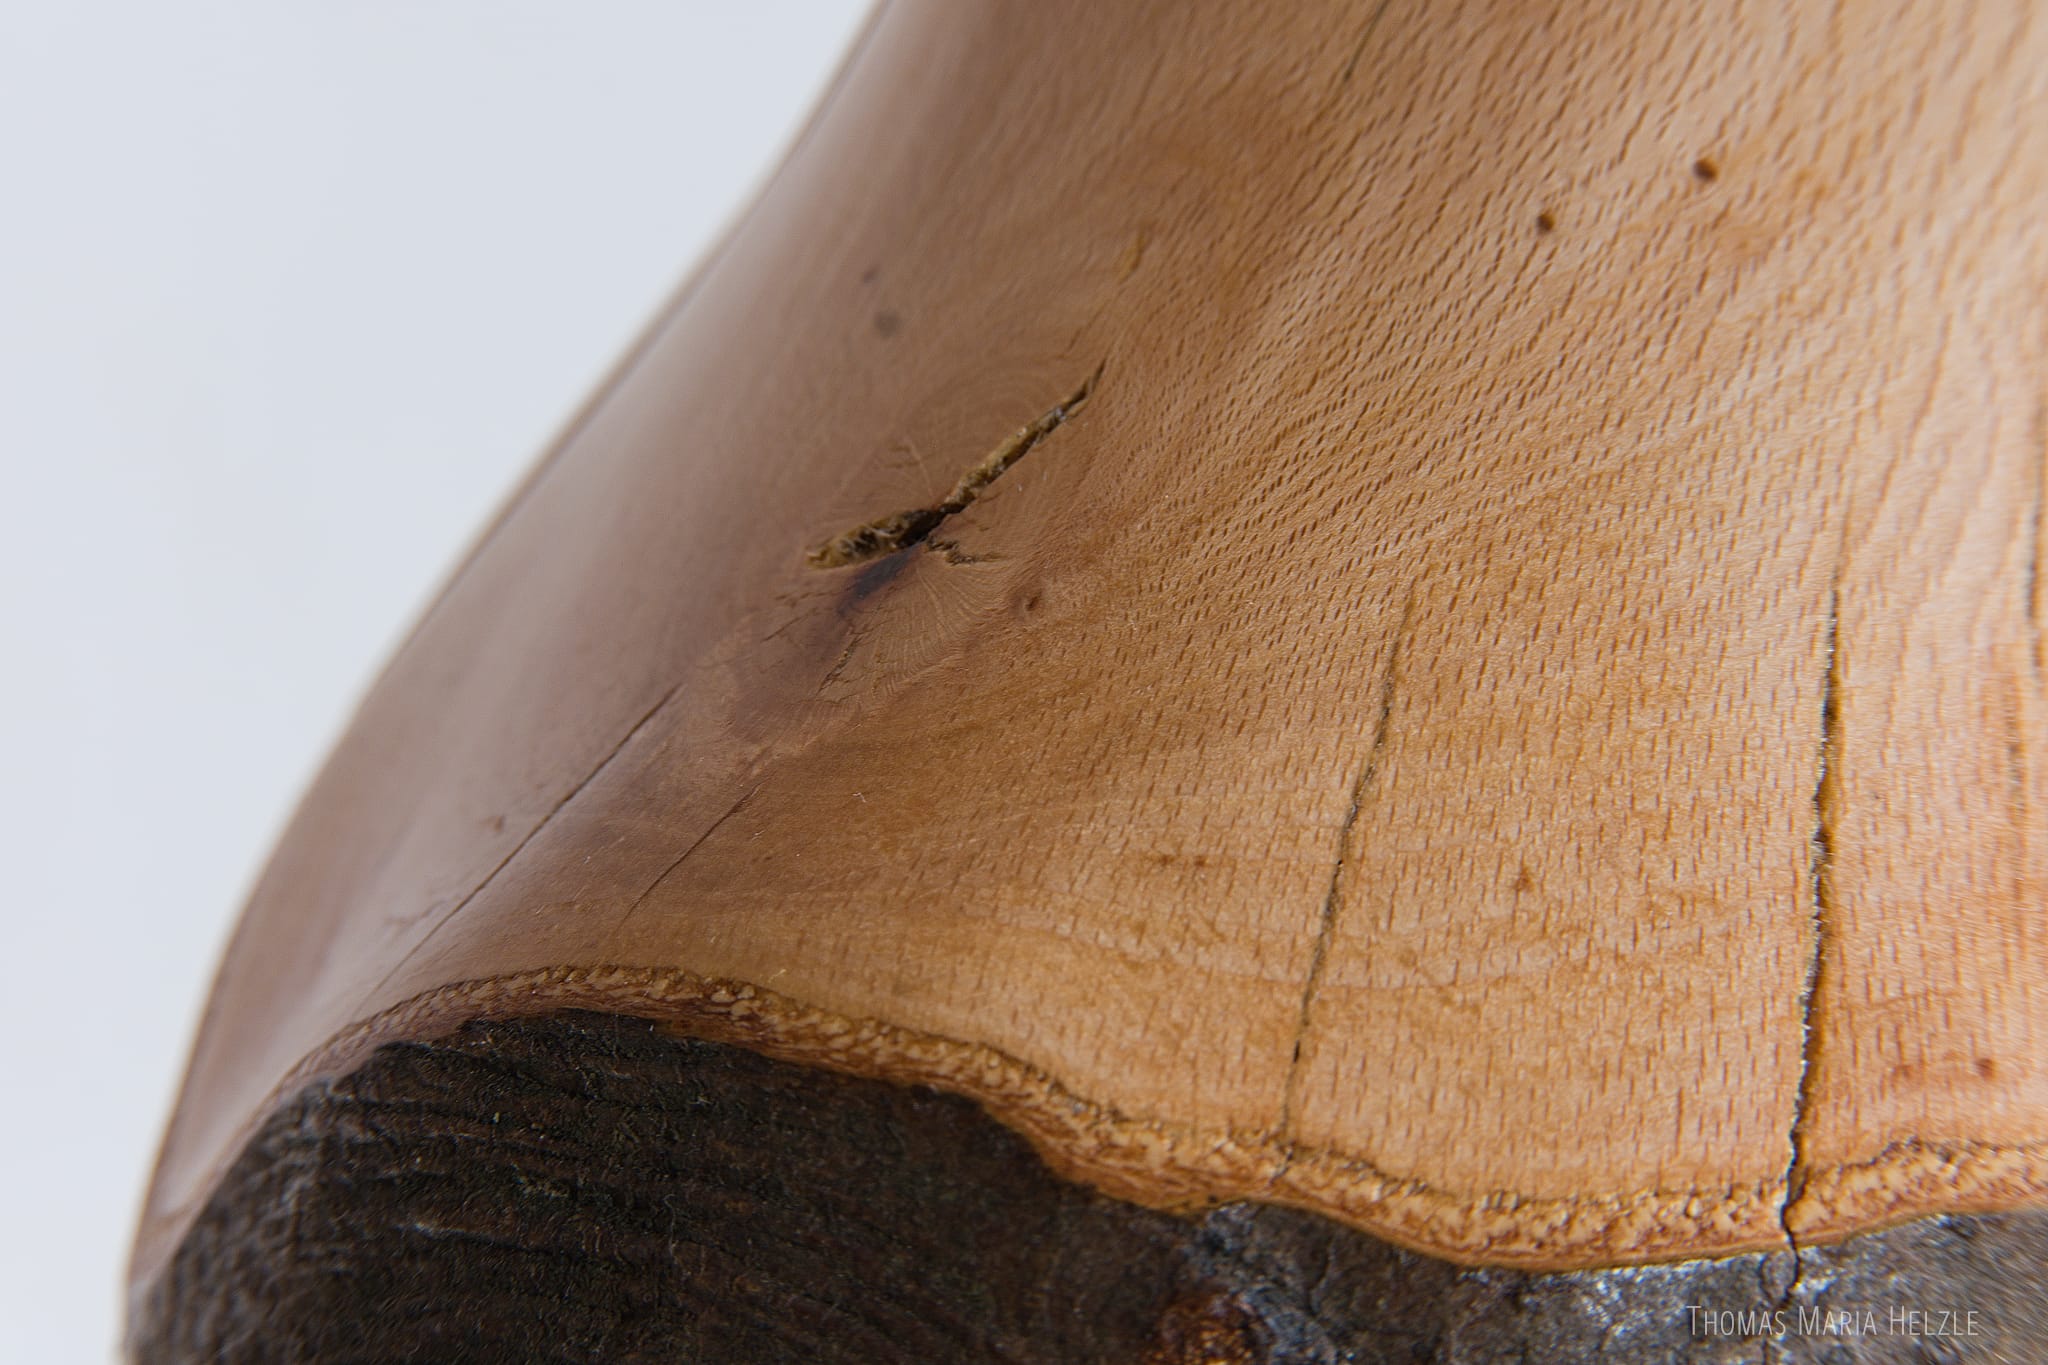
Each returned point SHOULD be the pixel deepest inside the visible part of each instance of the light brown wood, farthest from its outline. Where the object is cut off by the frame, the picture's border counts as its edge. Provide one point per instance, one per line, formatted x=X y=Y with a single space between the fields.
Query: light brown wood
x=1512 y=714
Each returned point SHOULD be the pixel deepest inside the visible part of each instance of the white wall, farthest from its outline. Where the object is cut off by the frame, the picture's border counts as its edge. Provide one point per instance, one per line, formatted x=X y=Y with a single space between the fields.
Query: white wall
x=289 y=295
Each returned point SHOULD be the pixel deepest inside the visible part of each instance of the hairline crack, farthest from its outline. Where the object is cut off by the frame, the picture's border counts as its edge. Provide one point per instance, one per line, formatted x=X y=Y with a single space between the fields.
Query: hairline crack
x=1326 y=928
x=1826 y=814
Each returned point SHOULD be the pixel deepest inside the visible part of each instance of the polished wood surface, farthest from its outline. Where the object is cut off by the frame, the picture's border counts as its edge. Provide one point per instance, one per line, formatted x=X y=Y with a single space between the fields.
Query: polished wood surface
x=1511 y=715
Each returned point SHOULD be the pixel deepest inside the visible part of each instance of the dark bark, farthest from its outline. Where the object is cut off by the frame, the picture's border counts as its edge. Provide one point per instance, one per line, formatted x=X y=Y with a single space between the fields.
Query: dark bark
x=586 y=1188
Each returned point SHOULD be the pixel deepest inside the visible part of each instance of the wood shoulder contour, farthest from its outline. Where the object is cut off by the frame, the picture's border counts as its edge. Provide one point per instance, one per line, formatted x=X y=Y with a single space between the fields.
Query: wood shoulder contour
x=1429 y=613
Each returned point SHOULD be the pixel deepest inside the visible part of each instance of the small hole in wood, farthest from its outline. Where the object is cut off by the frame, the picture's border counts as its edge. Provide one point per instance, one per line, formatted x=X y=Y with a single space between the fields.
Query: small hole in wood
x=1544 y=222
x=1705 y=171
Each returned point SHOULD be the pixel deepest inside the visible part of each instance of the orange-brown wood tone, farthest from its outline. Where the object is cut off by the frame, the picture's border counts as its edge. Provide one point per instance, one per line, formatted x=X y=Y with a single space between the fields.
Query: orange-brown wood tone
x=1480 y=671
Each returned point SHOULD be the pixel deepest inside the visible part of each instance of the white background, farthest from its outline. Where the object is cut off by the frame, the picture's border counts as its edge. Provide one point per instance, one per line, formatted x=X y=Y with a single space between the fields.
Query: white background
x=290 y=293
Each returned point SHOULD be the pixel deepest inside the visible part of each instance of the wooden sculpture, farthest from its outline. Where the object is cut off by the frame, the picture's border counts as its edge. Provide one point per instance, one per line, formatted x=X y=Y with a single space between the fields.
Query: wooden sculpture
x=1240 y=680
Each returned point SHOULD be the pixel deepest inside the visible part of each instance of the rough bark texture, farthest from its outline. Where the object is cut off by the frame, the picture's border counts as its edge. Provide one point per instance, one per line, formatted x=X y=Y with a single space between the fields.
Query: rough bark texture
x=589 y=1188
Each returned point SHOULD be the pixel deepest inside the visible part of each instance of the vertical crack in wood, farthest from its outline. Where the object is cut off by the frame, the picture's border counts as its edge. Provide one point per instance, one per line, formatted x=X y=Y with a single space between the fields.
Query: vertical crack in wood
x=2040 y=510
x=1826 y=813
x=1327 y=925
x=2017 y=756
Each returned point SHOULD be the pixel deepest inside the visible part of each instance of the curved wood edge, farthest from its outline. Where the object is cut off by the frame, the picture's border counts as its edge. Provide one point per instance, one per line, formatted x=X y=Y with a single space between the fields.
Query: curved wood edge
x=1658 y=389
x=1181 y=1169
x=579 y=1187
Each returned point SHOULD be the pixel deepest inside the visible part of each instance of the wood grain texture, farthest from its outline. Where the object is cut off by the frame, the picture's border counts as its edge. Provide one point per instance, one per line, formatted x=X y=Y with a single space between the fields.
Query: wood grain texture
x=1509 y=718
